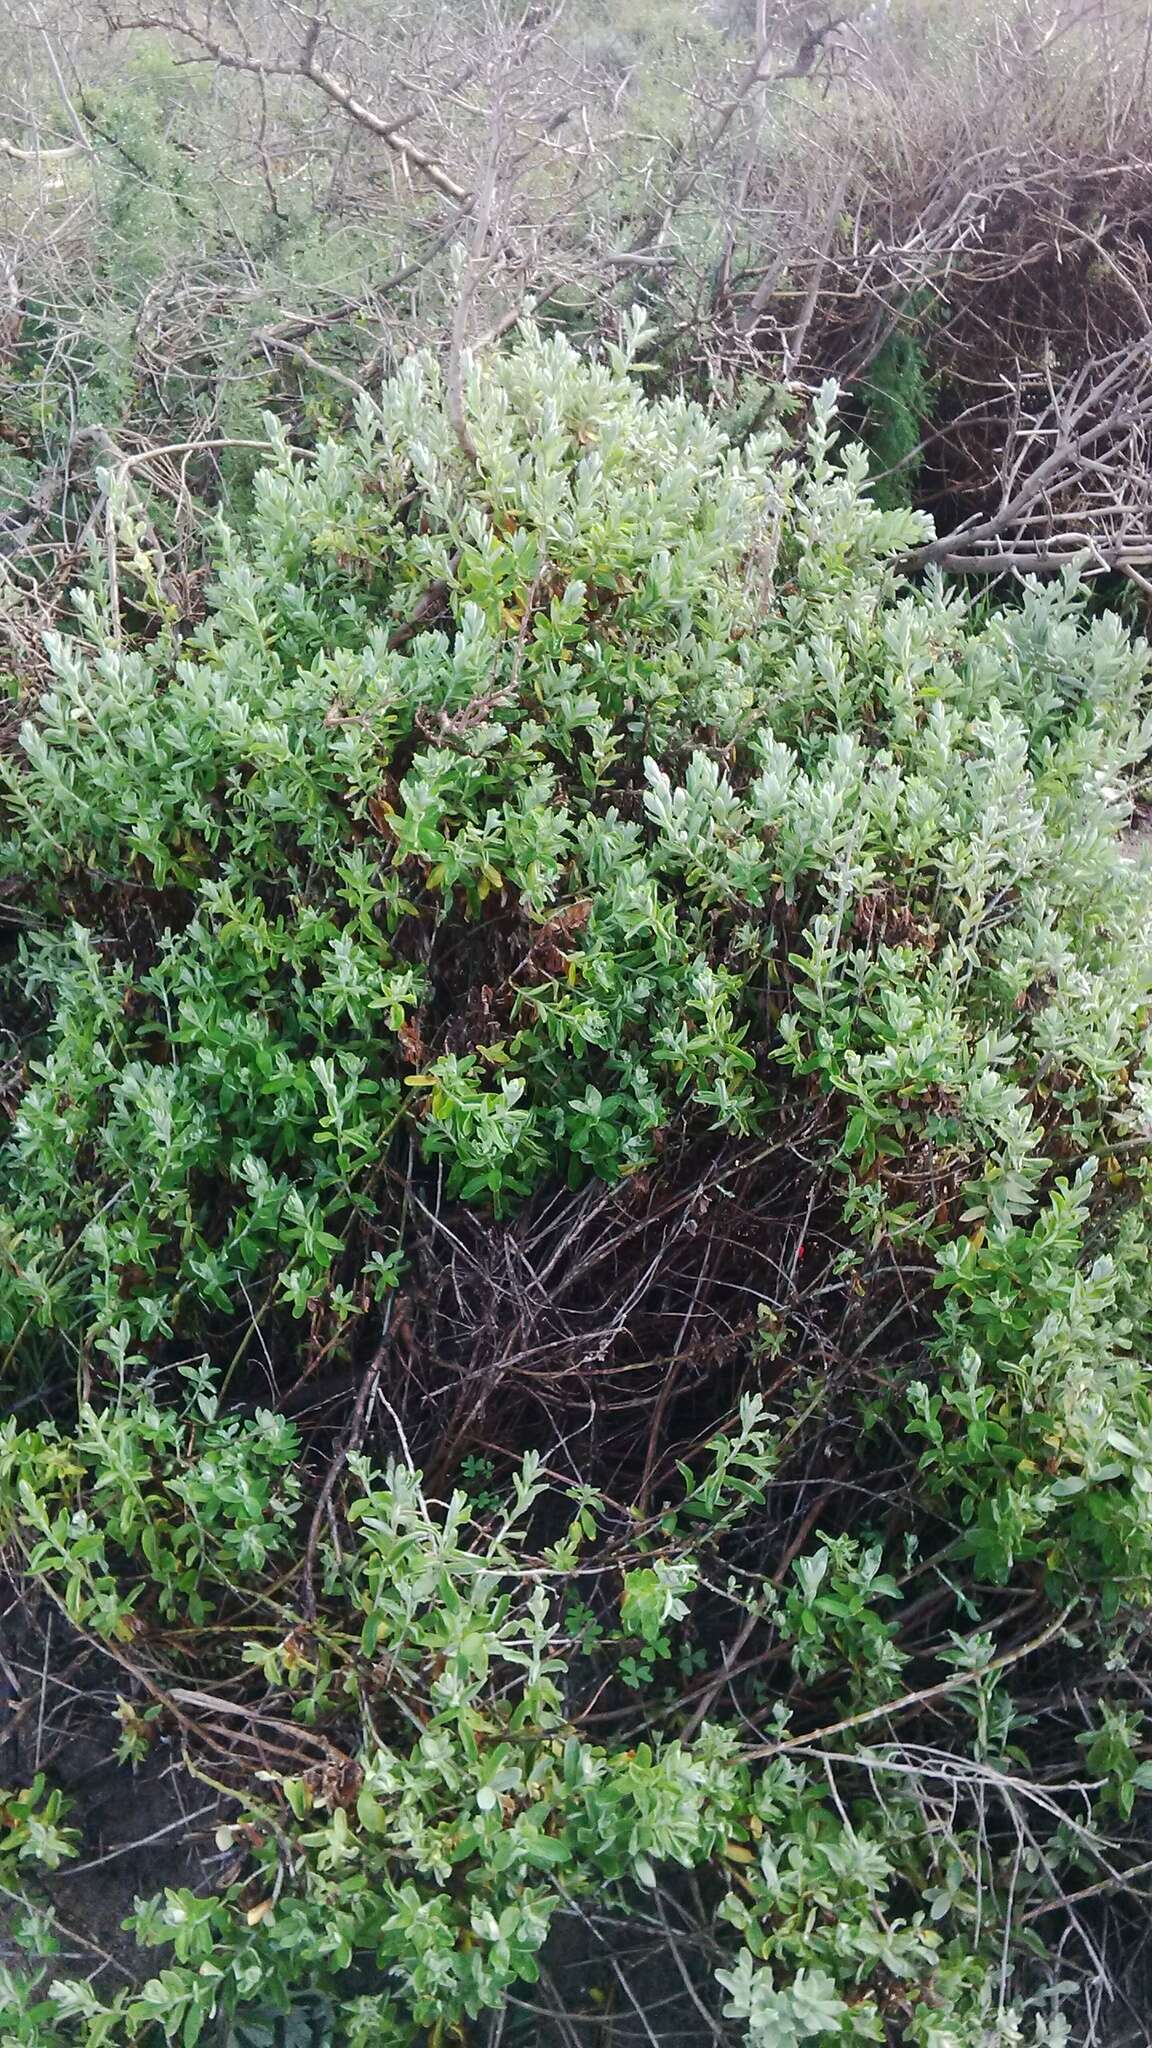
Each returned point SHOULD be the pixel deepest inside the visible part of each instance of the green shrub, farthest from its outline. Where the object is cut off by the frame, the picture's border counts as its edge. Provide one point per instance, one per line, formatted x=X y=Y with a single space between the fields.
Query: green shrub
x=567 y=813
x=710 y=843
x=470 y=1814
x=897 y=394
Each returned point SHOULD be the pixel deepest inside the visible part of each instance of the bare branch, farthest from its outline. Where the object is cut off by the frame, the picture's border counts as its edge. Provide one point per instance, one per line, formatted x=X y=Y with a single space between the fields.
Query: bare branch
x=40 y=156
x=307 y=65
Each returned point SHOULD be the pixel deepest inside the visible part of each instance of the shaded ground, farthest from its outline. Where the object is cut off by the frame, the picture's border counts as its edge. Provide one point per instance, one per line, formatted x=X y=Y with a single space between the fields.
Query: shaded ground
x=142 y=1827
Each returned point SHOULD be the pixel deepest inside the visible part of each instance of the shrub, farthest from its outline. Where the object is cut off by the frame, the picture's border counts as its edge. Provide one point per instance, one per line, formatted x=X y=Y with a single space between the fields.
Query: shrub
x=430 y=1863
x=546 y=818
x=897 y=399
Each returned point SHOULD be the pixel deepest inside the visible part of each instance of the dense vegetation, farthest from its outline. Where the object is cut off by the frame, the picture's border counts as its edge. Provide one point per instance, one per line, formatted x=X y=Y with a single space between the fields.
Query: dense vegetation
x=576 y=939
x=575 y=1064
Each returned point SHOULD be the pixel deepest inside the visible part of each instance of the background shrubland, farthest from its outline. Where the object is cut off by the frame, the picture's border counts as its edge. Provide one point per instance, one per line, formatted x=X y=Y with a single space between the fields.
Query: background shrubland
x=574 y=1100
x=213 y=212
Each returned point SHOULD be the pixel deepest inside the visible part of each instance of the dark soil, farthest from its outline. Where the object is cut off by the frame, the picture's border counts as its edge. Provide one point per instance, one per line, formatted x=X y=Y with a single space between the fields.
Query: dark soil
x=143 y=1827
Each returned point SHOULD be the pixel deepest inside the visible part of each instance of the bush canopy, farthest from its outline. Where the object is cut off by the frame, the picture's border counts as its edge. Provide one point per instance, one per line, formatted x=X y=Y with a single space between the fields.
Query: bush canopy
x=571 y=948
